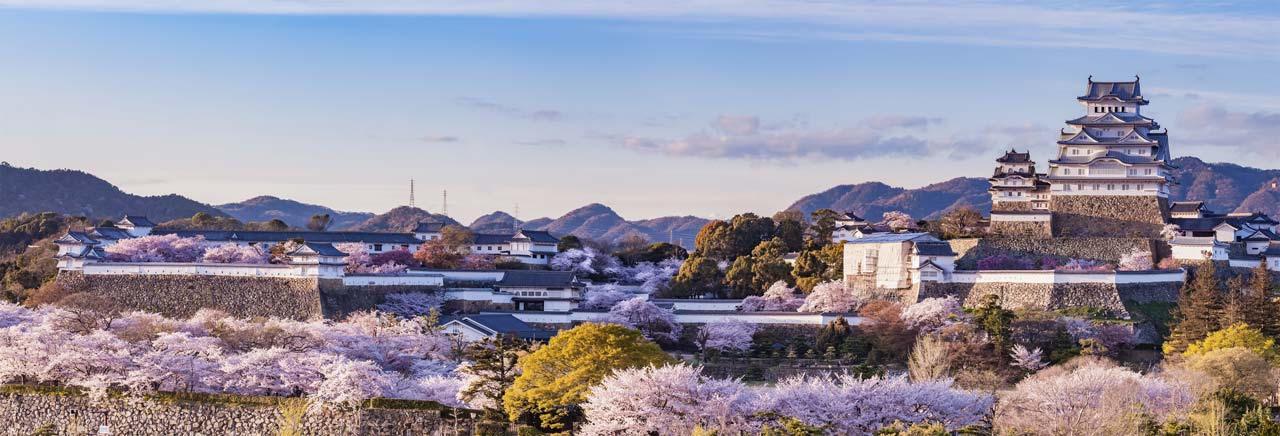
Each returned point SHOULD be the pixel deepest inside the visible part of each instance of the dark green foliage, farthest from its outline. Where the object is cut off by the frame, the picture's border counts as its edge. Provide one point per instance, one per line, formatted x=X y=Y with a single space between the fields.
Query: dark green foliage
x=834 y=334
x=1199 y=309
x=495 y=362
x=792 y=234
x=526 y=430
x=778 y=425
x=996 y=321
x=656 y=252
x=319 y=222
x=823 y=224
x=699 y=275
x=1253 y=302
x=569 y=242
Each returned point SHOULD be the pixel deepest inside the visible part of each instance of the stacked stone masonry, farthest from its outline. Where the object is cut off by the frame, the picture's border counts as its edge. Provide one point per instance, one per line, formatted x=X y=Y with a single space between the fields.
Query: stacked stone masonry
x=182 y=295
x=1054 y=296
x=1108 y=216
x=23 y=414
x=1031 y=229
x=1108 y=250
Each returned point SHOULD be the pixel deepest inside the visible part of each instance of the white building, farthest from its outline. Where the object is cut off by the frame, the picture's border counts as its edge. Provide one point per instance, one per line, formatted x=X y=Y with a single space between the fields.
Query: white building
x=896 y=260
x=1244 y=239
x=1113 y=149
x=535 y=247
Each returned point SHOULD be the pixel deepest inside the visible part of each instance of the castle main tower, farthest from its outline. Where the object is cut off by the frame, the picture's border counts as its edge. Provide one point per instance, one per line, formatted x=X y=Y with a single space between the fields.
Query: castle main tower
x=1112 y=174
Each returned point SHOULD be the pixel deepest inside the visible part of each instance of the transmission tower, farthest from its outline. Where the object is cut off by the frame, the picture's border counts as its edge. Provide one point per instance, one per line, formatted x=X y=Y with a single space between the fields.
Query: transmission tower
x=444 y=203
x=411 y=202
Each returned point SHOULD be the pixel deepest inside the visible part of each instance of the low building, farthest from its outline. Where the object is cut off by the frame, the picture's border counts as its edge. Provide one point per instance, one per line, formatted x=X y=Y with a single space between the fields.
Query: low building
x=1244 y=239
x=486 y=326
x=534 y=247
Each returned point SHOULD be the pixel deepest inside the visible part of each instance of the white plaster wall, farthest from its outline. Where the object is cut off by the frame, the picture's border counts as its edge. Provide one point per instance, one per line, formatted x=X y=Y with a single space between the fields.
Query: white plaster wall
x=393 y=280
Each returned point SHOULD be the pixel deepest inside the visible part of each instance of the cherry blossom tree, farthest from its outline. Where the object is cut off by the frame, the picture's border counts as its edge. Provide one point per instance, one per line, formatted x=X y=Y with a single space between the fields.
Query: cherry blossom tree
x=1030 y=360
x=778 y=298
x=1093 y=395
x=348 y=382
x=831 y=296
x=898 y=220
x=477 y=262
x=1169 y=231
x=234 y=253
x=603 y=296
x=178 y=362
x=586 y=261
x=652 y=277
x=360 y=262
x=1136 y=260
x=933 y=314
x=672 y=400
x=410 y=304
x=157 y=248
x=732 y=335
x=654 y=322
x=357 y=256
x=850 y=405
x=440 y=388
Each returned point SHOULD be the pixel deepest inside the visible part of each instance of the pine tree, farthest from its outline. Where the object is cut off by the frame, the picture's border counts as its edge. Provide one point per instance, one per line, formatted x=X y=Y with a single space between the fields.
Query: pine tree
x=1199 y=309
x=1263 y=310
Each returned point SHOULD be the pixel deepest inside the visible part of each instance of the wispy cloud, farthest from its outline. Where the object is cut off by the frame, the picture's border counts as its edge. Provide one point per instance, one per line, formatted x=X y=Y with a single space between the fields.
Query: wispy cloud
x=1138 y=26
x=740 y=137
x=440 y=139
x=509 y=110
x=549 y=142
x=1248 y=132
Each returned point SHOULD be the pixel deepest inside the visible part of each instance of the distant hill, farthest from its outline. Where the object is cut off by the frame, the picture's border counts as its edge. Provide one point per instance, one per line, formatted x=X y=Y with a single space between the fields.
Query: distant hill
x=296 y=214
x=599 y=222
x=497 y=222
x=400 y=219
x=1227 y=187
x=872 y=199
x=29 y=190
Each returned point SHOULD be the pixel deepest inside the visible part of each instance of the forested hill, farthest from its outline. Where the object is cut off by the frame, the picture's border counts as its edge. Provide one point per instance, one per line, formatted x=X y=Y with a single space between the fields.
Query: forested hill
x=266 y=208
x=1225 y=187
x=29 y=190
x=599 y=222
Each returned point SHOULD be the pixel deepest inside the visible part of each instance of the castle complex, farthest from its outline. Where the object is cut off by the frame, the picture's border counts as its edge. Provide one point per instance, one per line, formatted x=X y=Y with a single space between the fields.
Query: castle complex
x=1111 y=175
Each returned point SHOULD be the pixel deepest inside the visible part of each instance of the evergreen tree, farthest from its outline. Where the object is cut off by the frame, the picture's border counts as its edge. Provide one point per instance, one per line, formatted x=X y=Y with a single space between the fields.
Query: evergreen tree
x=740 y=278
x=996 y=321
x=1199 y=309
x=834 y=333
x=494 y=368
x=808 y=271
x=1262 y=308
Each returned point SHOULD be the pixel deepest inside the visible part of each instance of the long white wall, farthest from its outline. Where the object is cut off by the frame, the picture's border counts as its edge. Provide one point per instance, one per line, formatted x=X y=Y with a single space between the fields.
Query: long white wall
x=698 y=317
x=434 y=280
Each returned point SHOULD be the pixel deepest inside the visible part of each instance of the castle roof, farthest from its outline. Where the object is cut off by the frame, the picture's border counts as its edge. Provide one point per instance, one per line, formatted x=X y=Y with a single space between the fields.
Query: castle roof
x=1186 y=206
x=934 y=249
x=539 y=279
x=309 y=236
x=1013 y=156
x=1112 y=154
x=880 y=238
x=428 y=227
x=1111 y=119
x=1122 y=91
x=318 y=248
x=136 y=221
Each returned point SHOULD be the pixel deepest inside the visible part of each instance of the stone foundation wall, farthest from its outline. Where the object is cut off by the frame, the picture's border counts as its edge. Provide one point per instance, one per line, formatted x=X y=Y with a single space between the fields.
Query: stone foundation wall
x=1108 y=216
x=182 y=295
x=1011 y=206
x=1054 y=296
x=1031 y=229
x=1109 y=250
x=22 y=414
x=339 y=300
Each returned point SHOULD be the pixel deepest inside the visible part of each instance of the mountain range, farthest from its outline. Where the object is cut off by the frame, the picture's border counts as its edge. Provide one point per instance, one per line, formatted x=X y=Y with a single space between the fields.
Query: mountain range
x=1224 y=187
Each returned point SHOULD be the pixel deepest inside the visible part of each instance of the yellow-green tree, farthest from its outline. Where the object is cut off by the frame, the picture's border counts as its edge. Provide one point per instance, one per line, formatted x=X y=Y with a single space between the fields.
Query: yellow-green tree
x=1236 y=336
x=557 y=377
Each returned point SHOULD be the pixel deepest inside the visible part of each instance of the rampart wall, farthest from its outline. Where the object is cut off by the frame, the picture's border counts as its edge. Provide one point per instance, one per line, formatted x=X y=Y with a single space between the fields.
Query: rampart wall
x=1109 y=215
x=23 y=414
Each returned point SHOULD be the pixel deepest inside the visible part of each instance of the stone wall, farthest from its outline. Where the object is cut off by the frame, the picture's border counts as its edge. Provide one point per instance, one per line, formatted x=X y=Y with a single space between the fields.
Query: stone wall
x=1108 y=216
x=1099 y=249
x=182 y=295
x=338 y=300
x=1011 y=206
x=1032 y=229
x=22 y=414
x=1054 y=296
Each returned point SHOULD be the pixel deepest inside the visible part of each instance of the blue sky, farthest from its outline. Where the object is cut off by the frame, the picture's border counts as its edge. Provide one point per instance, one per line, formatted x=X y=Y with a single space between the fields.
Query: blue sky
x=655 y=108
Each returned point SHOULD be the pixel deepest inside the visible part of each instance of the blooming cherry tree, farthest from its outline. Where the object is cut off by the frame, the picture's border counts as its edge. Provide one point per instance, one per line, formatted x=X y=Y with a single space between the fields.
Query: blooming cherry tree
x=157 y=248
x=932 y=314
x=234 y=253
x=778 y=298
x=850 y=405
x=732 y=335
x=831 y=296
x=673 y=400
x=654 y=322
x=603 y=296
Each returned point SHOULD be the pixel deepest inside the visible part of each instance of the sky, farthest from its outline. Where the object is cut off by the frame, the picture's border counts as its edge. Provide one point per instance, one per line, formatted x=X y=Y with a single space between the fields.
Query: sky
x=659 y=107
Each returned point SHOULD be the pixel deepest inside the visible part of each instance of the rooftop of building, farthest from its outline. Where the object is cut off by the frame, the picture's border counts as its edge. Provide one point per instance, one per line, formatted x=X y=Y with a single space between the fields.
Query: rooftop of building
x=1013 y=157
x=880 y=238
x=1122 y=91
x=500 y=324
x=564 y=279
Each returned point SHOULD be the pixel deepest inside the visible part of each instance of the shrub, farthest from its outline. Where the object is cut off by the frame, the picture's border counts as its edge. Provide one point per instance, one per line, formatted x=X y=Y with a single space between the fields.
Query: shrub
x=1239 y=335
